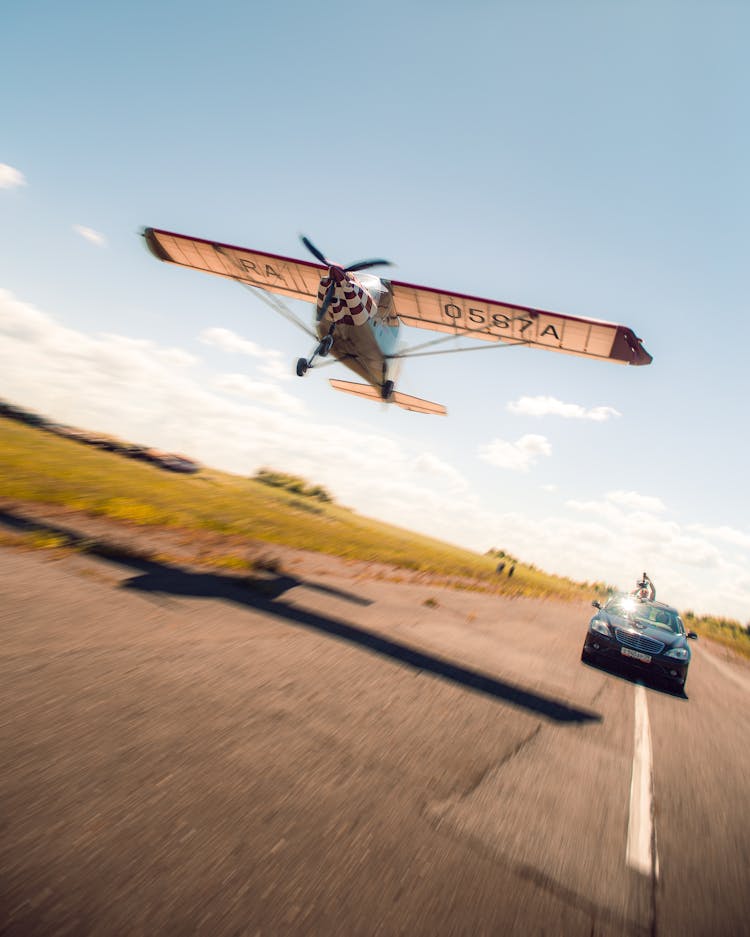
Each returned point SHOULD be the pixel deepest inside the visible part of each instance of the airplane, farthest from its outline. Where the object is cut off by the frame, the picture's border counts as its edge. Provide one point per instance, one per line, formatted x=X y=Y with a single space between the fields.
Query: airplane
x=359 y=315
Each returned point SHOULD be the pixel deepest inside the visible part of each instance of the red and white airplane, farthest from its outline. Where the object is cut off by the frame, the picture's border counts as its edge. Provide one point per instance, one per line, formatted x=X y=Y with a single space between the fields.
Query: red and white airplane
x=358 y=318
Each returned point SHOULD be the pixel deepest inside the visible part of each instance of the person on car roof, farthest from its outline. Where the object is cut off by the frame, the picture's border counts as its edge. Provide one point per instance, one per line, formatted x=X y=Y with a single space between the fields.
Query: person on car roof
x=645 y=589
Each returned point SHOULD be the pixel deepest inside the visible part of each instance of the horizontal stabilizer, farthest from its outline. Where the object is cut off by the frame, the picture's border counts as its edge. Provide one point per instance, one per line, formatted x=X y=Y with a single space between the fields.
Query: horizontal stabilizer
x=401 y=400
x=417 y=404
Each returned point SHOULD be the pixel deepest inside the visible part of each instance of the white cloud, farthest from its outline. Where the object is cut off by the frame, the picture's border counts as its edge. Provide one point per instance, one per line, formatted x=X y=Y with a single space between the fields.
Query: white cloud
x=260 y=392
x=230 y=341
x=517 y=456
x=550 y=406
x=688 y=572
x=724 y=533
x=692 y=551
x=277 y=366
x=632 y=515
x=430 y=465
x=88 y=234
x=274 y=364
x=20 y=321
x=688 y=568
x=635 y=501
x=11 y=178
x=602 y=509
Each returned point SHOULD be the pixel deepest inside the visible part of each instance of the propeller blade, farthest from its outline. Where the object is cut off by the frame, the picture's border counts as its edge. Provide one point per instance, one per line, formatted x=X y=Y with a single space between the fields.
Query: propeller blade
x=363 y=264
x=314 y=250
x=326 y=301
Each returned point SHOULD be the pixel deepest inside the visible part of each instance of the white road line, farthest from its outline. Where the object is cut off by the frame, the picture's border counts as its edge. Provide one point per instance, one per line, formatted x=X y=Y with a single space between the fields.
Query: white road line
x=641 y=850
x=728 y=672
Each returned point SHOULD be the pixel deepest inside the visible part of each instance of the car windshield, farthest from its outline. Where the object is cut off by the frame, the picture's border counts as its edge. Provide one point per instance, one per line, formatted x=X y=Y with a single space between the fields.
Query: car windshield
x=645 y=613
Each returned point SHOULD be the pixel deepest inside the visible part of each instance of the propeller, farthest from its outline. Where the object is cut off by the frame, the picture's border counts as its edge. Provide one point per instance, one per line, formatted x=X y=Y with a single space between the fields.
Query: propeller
x=327 y=299
x=364 y=264
x=335 y=268
x=314 y=250
x=359 y=265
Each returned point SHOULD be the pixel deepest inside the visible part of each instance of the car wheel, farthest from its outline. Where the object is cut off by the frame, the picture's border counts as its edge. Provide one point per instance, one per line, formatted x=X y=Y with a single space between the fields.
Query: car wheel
x=586 y=655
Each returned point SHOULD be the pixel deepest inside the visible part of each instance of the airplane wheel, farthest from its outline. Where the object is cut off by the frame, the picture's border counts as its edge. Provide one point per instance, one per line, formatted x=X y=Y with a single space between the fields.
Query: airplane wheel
x=325 y=346
x=302 y=367
x=386 y=390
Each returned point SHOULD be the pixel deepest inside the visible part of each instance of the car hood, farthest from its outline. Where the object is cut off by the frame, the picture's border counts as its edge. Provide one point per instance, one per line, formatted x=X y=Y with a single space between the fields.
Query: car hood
x=667 y=637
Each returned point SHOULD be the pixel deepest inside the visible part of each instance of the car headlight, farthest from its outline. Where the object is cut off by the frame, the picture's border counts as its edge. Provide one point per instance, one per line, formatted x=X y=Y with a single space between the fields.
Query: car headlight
x=680 y=653
x=596 y=624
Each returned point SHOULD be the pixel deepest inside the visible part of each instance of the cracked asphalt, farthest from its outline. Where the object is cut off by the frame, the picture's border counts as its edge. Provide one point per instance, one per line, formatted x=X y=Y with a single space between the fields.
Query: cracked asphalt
x=323 y=753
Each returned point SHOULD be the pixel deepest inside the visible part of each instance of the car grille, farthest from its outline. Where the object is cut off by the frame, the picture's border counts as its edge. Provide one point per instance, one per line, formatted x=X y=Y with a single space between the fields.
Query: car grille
x=639 y=641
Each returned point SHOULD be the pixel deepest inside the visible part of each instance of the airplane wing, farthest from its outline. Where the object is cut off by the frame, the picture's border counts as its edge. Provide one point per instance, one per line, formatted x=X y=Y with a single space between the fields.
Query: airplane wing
x=457 y=314
x=298 y=279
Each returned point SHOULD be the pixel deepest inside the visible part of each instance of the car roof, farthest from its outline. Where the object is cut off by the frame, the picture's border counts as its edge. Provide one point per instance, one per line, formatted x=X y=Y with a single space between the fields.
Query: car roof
x=668 y=608
x=652 y=602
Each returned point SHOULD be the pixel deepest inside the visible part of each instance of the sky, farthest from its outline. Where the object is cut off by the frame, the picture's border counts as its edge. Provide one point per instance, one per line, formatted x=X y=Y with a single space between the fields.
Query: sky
x=588 y=158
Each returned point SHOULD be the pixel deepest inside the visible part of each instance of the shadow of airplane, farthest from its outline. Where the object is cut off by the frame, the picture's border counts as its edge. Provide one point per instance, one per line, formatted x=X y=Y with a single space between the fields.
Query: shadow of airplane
x=263 y=595
x=120 y=553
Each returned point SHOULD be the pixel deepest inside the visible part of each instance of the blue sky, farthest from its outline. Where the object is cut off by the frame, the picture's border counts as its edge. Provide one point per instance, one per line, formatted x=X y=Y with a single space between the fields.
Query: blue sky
x=589 y=158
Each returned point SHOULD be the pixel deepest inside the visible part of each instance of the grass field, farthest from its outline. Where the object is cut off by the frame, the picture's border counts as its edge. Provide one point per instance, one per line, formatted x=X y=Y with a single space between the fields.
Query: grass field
x=726 y=631
x=36 y=466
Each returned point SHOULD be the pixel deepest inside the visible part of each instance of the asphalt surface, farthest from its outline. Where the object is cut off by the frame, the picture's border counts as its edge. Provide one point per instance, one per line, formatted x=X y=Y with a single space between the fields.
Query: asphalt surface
x=318 y=753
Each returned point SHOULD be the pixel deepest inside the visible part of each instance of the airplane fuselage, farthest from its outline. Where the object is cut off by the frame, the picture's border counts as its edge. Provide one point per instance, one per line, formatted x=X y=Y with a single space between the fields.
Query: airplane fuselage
x=358 y=318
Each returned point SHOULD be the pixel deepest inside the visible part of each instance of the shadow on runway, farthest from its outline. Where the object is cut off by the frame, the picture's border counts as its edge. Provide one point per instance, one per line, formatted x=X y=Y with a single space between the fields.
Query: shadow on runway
x=263 y=593
x=122 y=554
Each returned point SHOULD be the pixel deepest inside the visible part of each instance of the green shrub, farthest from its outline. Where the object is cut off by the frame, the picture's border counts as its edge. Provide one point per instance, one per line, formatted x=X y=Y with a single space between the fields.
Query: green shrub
x=292 y=483
x=727 y=631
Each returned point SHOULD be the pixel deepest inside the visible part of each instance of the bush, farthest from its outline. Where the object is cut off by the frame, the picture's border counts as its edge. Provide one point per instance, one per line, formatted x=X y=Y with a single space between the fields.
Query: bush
x=293 y=483
x=727 y=631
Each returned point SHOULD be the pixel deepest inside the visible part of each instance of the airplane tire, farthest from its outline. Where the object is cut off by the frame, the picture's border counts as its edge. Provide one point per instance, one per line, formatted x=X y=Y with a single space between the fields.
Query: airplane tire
x=302 y=367
x=386 y=390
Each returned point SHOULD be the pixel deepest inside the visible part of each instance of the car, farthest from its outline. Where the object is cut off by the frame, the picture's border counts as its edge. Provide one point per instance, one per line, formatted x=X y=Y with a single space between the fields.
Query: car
x=647 y=637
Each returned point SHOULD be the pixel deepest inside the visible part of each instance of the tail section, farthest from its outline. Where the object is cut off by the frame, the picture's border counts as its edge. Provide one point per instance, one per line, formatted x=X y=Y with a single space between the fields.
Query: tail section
x=418 y=405
x=401 y=400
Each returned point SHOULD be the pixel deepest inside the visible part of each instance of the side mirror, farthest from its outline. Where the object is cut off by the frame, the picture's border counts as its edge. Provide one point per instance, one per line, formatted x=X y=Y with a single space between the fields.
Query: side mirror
x=596 y=604
x=693 y=635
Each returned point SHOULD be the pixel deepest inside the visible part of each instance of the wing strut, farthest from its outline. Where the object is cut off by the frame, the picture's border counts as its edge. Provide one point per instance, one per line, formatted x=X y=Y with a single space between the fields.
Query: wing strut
x=268 y=298
x=277 y=305
x=417 y=352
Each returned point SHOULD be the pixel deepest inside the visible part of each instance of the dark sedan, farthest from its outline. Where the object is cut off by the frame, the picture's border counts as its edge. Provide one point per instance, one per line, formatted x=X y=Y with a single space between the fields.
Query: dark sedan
x=648 y=637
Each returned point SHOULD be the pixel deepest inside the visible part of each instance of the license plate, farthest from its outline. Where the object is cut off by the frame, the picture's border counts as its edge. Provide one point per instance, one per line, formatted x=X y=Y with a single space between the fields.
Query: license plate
x=646 y=658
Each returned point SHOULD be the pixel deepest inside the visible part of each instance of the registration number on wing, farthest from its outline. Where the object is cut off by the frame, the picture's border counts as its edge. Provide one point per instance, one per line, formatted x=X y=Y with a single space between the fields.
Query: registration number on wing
x=638 y=655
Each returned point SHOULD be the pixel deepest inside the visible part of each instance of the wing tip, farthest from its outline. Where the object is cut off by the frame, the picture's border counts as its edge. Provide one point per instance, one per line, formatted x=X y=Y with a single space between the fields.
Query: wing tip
x=154 y=245
x=629 y=348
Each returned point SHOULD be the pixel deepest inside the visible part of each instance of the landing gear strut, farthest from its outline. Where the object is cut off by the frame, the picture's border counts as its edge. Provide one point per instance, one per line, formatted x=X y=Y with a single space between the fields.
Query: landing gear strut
x=325 y=346
x=386 y=386
x=322 y=350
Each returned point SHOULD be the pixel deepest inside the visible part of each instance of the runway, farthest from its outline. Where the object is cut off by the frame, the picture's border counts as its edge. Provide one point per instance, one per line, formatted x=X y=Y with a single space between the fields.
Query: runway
x=320 y=752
